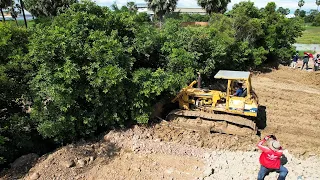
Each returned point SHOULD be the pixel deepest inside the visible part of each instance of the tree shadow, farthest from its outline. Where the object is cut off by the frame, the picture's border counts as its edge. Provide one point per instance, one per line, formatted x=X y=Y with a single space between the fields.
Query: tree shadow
x=262 y=118
x=284 y=160
x=267 y=68
x=92 y=152
x=110 y=151
x=19 y=167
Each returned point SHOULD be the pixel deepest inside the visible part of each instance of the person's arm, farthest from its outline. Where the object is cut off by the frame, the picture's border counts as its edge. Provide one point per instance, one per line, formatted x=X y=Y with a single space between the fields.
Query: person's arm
x=261 y=146
x=238 y=92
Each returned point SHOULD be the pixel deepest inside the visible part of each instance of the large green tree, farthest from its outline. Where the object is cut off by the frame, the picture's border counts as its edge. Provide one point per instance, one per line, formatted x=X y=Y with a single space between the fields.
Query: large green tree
x=214 y=6
x=161 y=7
x=311 y=16
x=284 y=11
x=47 y=8
x=85 y=61
x=316 y=21
x=302 y=13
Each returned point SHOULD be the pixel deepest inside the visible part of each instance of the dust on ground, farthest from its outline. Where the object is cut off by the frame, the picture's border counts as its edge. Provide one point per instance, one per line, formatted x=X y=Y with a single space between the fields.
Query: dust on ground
x=291 y=97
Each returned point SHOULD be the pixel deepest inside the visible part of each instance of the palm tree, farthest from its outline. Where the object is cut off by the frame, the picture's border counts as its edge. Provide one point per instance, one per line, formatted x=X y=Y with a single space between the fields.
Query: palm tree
x=24 y=16
x=132 y=7
x=214 y=6
x=318 y=4
x=297 y=12
x=161 y=7
x=300 y=3
x=15 y=10
x=3 y=5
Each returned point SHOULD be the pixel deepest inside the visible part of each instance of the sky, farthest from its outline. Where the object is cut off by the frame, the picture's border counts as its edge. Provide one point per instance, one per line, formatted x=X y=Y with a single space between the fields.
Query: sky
x=291 y=4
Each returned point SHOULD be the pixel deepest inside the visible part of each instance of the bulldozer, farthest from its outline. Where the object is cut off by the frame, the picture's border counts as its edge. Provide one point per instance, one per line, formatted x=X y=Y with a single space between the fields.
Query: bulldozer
x=219 y=111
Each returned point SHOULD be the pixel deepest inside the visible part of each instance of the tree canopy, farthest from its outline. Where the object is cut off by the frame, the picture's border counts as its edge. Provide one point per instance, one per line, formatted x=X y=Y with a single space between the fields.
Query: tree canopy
x=284 y=11
x=161 y=7
x=47 y=8
x=214 y=6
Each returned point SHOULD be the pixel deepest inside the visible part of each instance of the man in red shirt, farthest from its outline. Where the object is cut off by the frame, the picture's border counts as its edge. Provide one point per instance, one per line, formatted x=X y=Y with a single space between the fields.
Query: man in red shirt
x=270 y=158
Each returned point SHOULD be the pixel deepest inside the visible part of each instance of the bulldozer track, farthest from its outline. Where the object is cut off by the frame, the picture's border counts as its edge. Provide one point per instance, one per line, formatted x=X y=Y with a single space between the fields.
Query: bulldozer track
x=205 y=121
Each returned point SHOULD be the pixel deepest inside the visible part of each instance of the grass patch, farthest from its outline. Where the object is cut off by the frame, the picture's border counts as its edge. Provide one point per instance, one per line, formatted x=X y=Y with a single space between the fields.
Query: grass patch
x=310 y=36
x=21 y=22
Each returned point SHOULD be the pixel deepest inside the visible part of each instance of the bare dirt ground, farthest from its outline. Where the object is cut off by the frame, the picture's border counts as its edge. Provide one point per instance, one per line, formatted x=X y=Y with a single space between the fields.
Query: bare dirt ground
x=291 y=98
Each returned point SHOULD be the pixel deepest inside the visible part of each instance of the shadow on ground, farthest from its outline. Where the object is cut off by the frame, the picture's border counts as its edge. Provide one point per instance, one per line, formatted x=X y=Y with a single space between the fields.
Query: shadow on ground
x=262 y=118
x=20 y=167
x=99 y=151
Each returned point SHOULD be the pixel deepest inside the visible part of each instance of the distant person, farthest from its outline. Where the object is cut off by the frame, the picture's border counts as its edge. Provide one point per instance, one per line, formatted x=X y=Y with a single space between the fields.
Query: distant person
x=294 y=61
x=305 y=61
x=316 y=62
x=239 y=90
x=270 y=158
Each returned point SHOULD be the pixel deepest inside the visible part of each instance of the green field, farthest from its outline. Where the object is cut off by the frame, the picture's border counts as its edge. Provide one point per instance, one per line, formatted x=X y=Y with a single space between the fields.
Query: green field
x=310 y=36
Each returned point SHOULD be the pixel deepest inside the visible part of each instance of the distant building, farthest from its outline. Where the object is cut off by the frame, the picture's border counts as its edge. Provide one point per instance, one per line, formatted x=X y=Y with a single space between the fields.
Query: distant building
x=191 y=10
x=142 y=7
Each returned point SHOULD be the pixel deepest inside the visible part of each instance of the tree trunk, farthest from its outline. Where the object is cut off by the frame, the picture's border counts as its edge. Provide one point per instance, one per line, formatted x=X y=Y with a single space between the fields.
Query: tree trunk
x=161 y=19
x=24 y=16
x=3 y=19
x=16 y=21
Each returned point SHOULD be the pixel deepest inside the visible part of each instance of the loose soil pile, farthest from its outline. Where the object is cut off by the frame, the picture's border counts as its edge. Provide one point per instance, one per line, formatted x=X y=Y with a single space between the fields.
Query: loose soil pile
x=291 y=98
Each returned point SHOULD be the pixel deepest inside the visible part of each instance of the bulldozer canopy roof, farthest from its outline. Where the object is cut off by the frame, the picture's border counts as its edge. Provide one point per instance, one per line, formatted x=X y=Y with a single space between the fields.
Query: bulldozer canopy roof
x=224 y=74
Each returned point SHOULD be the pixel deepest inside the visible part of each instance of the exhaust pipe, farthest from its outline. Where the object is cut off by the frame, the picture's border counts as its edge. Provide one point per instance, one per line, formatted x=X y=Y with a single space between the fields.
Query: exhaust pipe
x=199 y=80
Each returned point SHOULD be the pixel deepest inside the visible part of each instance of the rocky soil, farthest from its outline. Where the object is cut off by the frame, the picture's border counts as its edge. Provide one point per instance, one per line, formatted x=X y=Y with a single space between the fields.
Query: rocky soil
x=291 y=98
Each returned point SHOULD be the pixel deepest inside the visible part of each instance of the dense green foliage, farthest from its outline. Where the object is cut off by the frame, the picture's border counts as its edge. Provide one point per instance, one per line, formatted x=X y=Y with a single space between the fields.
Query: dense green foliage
x=17 y=132
x=91 y=68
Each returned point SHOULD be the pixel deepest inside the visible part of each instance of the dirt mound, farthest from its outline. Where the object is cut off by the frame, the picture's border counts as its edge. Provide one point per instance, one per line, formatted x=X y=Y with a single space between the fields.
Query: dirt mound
x=137 y=154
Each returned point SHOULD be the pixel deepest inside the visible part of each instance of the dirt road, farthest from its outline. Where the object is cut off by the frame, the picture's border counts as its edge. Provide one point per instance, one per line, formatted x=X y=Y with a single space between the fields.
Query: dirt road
x=292 y=101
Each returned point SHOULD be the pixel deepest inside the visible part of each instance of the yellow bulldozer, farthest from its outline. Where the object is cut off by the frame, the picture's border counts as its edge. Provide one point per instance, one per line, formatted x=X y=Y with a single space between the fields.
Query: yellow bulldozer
x=227 y=112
